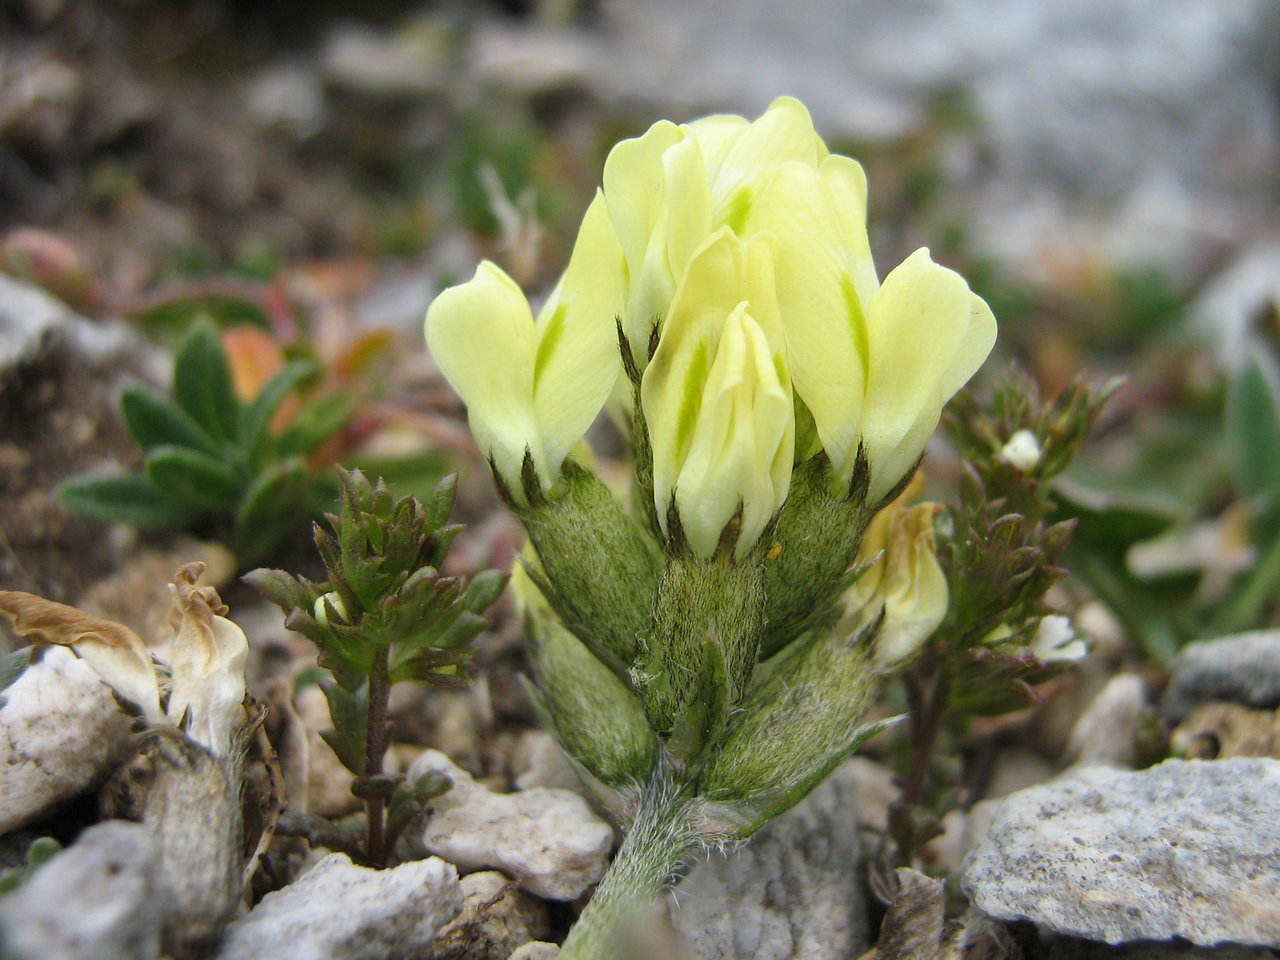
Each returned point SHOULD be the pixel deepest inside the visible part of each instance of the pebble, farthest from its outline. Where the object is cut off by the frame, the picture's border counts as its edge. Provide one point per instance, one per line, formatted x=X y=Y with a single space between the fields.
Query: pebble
x=61 y=732
x=1184 y=849
x=548 y=840
x=1243 y=668
x=496 y=918
x=96 y=899
x=338 y=909
x=535 y=950
x=1106 y=734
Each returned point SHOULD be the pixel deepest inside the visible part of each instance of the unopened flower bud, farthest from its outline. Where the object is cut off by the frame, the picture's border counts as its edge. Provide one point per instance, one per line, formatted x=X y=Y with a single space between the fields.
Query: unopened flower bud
x=331 y=599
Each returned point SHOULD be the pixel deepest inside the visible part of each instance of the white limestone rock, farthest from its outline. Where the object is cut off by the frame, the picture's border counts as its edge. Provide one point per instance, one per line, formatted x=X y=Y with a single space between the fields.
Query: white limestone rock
x=98 y=898
x=1243 y=668
x=1184 y=849
x=793 y=892
x=549 y=840
x=61 y=732
x=1106 y=733
x=338 y=909
x=535 y=950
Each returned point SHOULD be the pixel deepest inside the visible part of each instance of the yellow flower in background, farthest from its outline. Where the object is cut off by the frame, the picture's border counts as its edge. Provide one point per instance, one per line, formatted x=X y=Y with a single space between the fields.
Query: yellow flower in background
x=533 y=386
x=717 y=398
x=904 y=583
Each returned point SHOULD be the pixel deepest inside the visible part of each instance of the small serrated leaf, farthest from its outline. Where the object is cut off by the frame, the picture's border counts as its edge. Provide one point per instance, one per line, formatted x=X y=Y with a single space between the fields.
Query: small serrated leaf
x=484 y=589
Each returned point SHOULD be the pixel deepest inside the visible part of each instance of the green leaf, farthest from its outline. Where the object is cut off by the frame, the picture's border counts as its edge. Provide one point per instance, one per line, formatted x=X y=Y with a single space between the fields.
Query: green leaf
x=484 y=590
x=348 y=711
x=271 y=509
x=154 y=422
x=1253 y=429
x=12 y=665
x=128 y=498
x=188 y=476
x=11 y=668
x=317 y=423
x=257 y=416
x=202 y=383
x=281 y=588
x=41 y=851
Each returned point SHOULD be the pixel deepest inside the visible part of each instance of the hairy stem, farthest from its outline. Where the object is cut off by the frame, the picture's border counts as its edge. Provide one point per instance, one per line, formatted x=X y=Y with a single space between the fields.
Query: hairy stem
x=647 y=861
x=375 y=750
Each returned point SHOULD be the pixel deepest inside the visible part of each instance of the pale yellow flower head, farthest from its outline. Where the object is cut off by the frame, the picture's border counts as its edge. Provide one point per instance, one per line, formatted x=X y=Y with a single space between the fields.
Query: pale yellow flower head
x=872 y=363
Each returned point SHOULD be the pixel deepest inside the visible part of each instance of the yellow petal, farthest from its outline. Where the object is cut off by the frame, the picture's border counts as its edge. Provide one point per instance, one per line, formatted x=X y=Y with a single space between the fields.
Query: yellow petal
x=672 y=389
x=688 y=203
x=927 y=334
x=783 y=133
x=634 y=183
x=577 y=359
x=481 y=335
x=716 y=133
x=825 y=280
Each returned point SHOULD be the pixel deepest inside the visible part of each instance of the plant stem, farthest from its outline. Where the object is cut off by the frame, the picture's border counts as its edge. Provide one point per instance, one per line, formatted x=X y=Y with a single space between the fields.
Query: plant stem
x=926 y=730
x=375 y=750
x=659 y=836
x=928 y=695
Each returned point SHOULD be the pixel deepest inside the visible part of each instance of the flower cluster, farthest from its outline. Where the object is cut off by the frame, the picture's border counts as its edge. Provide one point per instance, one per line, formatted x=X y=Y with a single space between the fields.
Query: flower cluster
x=733 y=257
x=707 y=653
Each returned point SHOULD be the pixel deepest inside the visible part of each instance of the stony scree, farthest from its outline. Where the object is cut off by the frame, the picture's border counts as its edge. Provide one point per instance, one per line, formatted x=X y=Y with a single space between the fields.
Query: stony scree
x=1184 y=849
x=1243 y=668
x=98 y=898
x=339 y=909
x=496 y=918
x=794 y=891
x=535 y=950
x=548 y=840
x=60 y=733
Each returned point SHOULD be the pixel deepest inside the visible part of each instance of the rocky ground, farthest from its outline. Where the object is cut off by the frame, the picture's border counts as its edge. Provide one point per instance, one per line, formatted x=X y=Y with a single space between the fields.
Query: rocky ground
x=1105 y=172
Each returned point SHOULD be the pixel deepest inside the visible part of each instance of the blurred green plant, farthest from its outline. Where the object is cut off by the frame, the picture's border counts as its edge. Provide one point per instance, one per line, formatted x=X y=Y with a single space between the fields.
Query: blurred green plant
x=209 y=457
x=1203 y=559
x=41 y=851
x=385 y=614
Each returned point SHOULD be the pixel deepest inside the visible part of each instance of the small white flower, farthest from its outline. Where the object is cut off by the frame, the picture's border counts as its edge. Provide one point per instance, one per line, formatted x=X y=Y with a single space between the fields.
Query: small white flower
x=1022 y=450
x=1056 y=640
